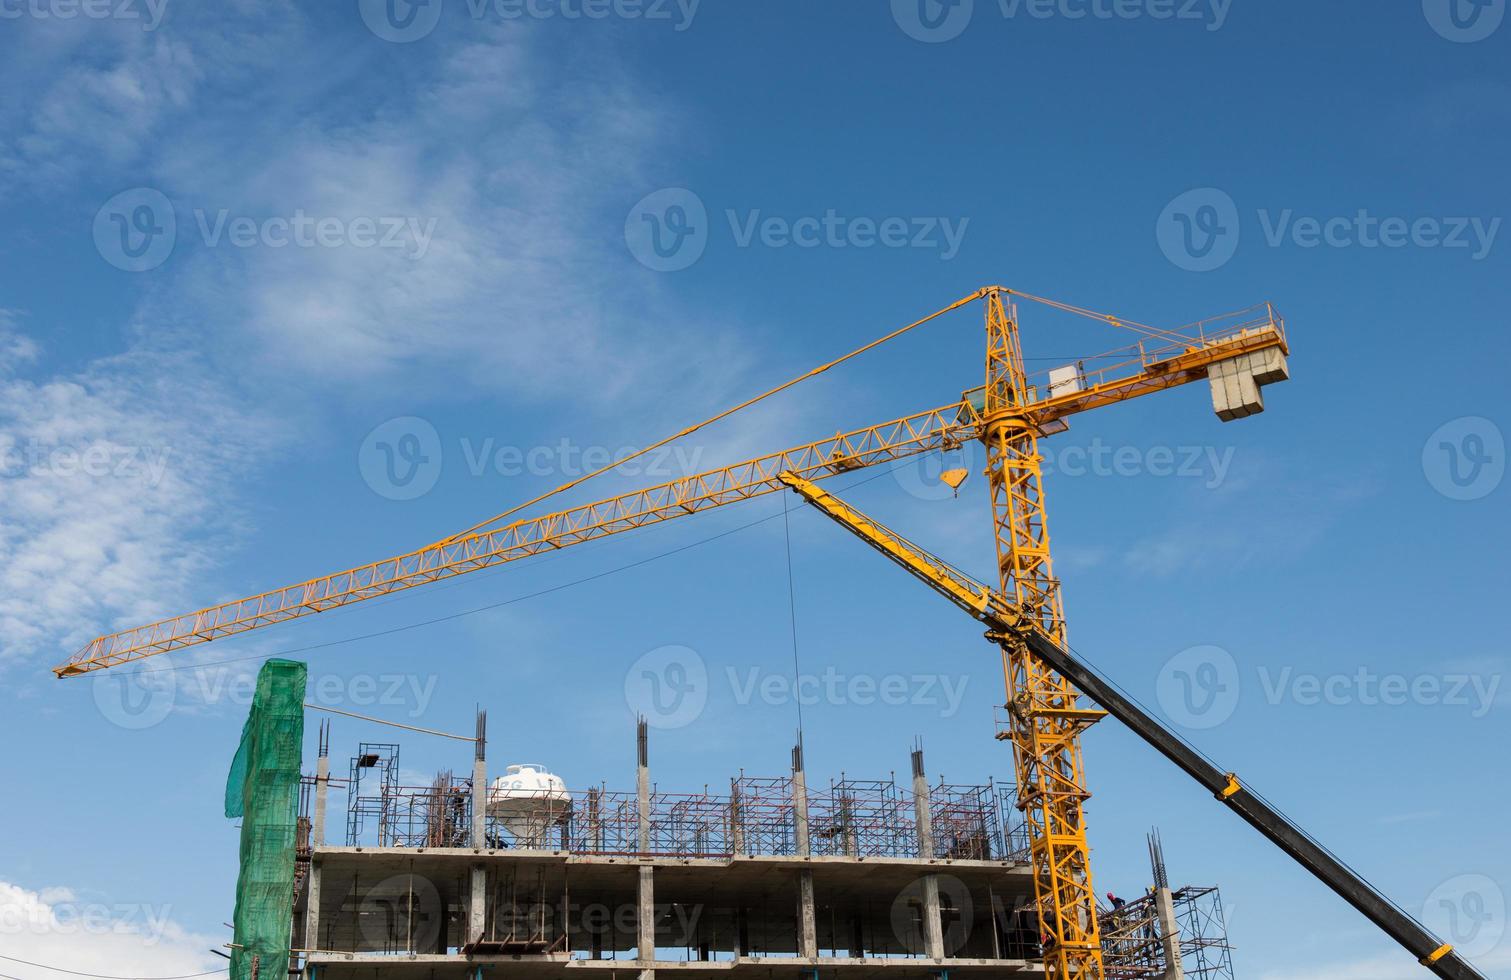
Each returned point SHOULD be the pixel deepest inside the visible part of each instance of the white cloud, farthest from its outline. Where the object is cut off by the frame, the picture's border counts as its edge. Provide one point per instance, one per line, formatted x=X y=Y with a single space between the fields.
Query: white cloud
x=59 y=928
x=509 y=170
x=111 y=483
x=16 y=348
x=525 y=161
x=101 y=92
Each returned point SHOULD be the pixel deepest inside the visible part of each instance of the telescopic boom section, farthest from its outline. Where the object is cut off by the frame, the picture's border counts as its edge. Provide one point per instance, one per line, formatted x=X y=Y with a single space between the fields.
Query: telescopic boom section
x=1007 y=625
x=942 y=428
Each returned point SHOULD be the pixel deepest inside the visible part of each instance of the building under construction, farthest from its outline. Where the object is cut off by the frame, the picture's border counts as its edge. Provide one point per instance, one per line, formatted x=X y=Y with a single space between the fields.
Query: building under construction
x=517 y=876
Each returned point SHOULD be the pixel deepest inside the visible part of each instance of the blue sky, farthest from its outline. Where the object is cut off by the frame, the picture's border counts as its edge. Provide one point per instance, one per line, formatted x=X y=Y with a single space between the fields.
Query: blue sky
x=444 y=218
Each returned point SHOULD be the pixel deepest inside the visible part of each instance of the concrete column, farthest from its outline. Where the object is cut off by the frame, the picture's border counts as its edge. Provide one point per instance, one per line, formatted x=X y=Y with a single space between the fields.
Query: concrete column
x=807 y=932
x=736 y=828
x=933 y=924
x=477 y=904
x=1169 y=928
x=799 y=802
x=322 y=789
x=317 y=839
x=645 y=916
x=643 y=784
x=312 y=909
x=807 y=939
x=480 y=784
x=645 y=922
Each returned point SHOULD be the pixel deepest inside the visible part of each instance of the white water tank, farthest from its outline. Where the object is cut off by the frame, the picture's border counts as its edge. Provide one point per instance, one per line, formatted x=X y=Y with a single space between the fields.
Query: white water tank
x=528 y=800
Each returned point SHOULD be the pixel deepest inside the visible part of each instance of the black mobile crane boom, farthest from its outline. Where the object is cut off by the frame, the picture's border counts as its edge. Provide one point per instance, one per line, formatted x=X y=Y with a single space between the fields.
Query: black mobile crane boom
x=1005 y=625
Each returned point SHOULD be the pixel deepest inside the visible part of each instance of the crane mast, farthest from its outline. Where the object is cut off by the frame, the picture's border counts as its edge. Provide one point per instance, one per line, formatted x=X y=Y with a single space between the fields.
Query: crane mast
x=1045 y=723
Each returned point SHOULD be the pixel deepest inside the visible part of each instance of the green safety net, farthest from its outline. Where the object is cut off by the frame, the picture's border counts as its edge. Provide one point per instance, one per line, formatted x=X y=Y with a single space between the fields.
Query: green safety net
x=263 y=789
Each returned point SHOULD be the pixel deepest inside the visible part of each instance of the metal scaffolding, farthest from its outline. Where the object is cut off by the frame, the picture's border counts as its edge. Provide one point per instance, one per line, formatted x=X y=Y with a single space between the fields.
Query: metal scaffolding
x=758 y=816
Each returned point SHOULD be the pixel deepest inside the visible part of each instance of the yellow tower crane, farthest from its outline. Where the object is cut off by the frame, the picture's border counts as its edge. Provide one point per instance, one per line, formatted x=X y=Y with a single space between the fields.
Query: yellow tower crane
x=1237 y=354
